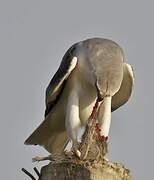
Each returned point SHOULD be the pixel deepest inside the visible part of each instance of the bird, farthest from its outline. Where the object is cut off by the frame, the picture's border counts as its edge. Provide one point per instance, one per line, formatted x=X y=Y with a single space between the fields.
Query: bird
x=90 y=70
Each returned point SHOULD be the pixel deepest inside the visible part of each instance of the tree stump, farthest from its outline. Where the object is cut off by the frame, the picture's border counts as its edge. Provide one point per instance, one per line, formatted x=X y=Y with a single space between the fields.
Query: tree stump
x=103 y=170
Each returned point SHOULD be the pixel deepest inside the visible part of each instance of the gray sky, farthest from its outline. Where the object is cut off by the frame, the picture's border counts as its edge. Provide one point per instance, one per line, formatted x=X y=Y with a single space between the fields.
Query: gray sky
x=34 y=36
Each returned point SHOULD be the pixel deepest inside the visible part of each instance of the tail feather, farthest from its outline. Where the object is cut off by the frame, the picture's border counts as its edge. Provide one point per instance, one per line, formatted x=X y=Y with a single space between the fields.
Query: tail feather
x=41 y=134
x=53 y=142
x=56 y=143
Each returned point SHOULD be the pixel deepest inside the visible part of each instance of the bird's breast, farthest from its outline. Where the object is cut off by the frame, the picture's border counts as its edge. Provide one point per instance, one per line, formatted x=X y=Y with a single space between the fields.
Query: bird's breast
x=87 y=93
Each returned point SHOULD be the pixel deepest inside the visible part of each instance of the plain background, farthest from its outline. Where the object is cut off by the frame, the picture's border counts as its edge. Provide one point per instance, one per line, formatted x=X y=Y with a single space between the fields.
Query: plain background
x=34 y=36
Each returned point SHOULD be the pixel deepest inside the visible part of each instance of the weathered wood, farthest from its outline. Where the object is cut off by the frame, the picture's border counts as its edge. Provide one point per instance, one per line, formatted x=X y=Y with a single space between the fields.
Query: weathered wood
x=103 y=170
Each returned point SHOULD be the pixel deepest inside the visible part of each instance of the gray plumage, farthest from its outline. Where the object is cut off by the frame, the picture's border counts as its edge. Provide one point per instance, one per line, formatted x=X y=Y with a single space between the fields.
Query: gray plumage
x=97 y=71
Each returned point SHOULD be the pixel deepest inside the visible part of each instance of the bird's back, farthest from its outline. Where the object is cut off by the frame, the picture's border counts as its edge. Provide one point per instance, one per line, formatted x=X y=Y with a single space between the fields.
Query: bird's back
x=101 y=60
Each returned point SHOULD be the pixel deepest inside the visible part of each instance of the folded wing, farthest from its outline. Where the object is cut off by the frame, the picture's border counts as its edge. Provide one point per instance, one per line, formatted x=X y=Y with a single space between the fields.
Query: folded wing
x=122 y=96
x=42 y=135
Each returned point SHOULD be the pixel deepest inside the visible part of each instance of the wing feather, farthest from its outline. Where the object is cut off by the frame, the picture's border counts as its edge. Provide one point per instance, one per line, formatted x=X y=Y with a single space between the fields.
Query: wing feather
x=53 y=92
x=122 y=96
x=57 y=83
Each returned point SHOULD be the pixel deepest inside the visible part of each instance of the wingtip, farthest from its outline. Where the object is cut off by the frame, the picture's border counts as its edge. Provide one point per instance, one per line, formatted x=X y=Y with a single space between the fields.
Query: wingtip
x=26 y=142
x=29 y=143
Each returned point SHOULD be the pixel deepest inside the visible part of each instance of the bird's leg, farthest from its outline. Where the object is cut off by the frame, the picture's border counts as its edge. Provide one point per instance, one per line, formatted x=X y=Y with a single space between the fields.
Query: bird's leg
x=72 y=121
x=104 y=118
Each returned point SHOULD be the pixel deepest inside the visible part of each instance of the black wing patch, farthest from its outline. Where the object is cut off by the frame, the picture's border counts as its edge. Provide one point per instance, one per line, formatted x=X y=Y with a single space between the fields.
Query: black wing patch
x=57 y=83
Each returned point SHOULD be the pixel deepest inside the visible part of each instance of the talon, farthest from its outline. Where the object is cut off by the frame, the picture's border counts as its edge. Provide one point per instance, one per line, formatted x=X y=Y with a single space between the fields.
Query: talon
x=75 y=149
x=77 y=153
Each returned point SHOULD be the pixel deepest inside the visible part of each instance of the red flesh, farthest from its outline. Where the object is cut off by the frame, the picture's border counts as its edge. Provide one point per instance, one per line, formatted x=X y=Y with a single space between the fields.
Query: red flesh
x=97 y=125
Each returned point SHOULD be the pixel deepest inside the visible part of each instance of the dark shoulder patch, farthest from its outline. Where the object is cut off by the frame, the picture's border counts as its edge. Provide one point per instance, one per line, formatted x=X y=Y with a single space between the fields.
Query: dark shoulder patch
x=57 y=78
